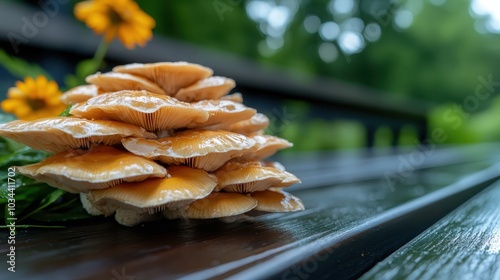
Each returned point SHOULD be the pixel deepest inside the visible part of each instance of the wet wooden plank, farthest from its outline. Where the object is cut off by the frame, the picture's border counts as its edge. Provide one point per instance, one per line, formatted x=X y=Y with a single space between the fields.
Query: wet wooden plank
x=345 y=230
x=463 y=245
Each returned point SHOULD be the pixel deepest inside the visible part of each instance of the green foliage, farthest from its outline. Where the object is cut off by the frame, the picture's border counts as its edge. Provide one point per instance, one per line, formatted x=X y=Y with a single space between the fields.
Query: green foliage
x=20 y=68
x=408 y=136
x=457 y=128
x=324 y=135
x=485 y=125
x=438 y=58
x=383 y=136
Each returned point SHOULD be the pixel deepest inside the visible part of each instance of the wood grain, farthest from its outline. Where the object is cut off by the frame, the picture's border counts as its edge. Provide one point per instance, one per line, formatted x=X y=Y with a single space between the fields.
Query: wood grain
x=345 y=229
x=463 y=245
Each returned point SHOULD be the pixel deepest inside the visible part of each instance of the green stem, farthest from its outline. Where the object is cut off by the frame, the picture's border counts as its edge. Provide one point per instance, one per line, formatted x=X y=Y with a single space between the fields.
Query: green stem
x=100 y=53
x=33 y=226
x=65 y=204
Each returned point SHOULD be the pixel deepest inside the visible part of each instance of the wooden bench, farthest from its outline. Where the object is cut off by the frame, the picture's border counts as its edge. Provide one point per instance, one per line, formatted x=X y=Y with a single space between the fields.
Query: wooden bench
x=464 y=244
x=348 y=226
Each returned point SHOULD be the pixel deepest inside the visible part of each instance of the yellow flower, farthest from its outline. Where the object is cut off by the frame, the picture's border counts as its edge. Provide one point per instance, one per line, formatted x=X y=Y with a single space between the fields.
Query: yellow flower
x=112 y=18
x=33 y=99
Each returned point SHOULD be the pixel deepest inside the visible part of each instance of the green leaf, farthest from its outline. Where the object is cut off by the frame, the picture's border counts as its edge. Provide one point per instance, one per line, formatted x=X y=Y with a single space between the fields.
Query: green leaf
x=71 y=81
x=87 y=67
x=71 y=214
x=21 y=68
x=22 y=156
x=46 y=201
x=66 y=111
x=27 y=195
x=4 y=147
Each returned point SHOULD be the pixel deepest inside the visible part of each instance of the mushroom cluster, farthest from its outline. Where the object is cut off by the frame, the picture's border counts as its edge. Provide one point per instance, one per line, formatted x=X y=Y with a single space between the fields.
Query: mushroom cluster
x=147 y=141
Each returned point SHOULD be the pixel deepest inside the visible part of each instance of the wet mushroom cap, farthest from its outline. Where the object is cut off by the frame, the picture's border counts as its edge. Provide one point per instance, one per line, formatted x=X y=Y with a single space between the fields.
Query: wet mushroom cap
x=235 y=97
x=248 y=177
x=80 y=94
x=152 y=111
x=256 y=123
x=173 y=112
x=289 y=178
x=97 y=168
x=218 y=205
x=171 y=76
x=208 y=88
x=268 y=146
x=274 y=164
x=182 y=184
x=223 y=113
x=204 y=149
x=57 y=134
x=277 y=201
x=111 y=82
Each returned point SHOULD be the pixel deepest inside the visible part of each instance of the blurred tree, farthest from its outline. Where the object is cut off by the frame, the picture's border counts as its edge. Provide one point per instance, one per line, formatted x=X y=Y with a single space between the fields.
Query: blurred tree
x=410 y=48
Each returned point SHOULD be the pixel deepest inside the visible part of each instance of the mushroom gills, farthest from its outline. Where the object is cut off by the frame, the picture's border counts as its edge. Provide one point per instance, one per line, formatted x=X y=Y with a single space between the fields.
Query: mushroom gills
x=250 y=177
x=154 y=112
x=182 y=186
x=58 y=134
x=171 y=76
x=202 y=149
x=98 y=168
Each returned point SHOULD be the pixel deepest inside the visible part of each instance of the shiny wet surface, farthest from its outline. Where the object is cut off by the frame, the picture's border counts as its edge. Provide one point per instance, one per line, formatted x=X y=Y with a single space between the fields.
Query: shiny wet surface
x=358 y=217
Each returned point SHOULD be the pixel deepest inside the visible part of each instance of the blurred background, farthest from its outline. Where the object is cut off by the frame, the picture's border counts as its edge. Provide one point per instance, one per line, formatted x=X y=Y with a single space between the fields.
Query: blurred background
x=330 y=74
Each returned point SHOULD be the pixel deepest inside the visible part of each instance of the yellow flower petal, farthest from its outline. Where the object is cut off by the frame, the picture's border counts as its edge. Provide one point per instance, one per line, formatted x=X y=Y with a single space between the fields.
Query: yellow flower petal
x=117 y=18
x=33 y=98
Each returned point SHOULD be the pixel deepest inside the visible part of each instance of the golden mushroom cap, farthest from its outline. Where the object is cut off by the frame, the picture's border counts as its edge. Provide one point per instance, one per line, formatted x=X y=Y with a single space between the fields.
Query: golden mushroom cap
x=97 y=168
x=152 y=111
x=204 y=149
x=208 y=88
x=277 y=201
x=112 y=81
x=235 y=97
x=182 y=185
x=288 y=178
x=171 y=76
x=80 y=94
x=274 y=164
x=250 y=177
x=256 y=123
x=268 y=146
x=57 y=134
x=222 y=113
x=218 y=205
